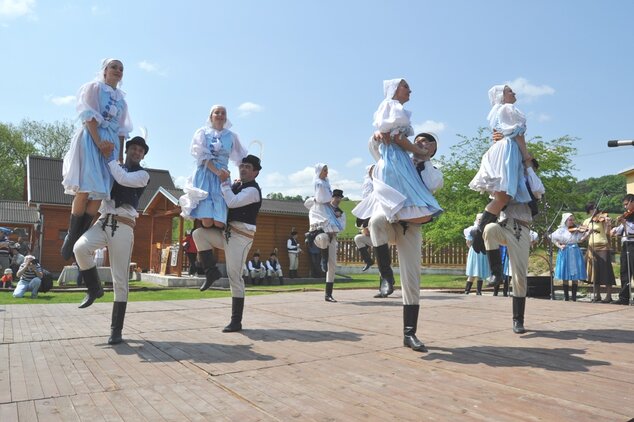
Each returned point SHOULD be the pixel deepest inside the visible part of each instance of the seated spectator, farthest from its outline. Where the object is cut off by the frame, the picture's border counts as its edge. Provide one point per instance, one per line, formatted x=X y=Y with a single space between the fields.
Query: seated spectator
x=257 y=269
x=7 y=279
x=30 y=275
x=273 y=267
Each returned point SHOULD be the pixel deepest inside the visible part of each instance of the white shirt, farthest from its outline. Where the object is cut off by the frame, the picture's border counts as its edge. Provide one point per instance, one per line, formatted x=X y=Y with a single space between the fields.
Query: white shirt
x=136 y=179
x=246 y=196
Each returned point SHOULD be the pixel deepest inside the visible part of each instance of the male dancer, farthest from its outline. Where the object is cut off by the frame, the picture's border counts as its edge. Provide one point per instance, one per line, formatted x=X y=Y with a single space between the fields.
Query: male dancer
x=115 y=229
x=293 y=253
x=244 y=199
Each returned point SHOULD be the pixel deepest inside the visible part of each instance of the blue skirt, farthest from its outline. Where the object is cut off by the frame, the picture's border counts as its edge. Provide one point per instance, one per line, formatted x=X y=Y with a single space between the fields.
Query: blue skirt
x=214 y=205
x=477 y=265
x=570 y=264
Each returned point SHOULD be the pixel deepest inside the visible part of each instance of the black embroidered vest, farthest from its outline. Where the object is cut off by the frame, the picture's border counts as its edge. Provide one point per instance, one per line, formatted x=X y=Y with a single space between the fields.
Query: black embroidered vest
x=249 y=213
x=125 y=195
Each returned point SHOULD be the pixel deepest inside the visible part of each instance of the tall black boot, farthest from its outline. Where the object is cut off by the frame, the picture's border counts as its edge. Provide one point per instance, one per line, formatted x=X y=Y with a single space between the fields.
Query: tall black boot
x=237 y=308
x=384 y=262
x=575 y=286
x=467 y=287
x=495 y=264
x=410 y=323
x=496 y=290
x=519 y=305
x=505 y=289
x=329 y=287
x=479 y=287
x=118 y=315
x=566 y=288
x=324 y=260
x=74 y=227
x=478 y=241
x=95 y=291
x=212 y=273
x=365 y=255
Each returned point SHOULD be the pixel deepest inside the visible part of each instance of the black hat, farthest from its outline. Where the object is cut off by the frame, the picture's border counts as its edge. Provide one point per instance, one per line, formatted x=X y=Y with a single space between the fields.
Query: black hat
x=137 y=140
x=253 y=160
x=337 y=192
x=293 y=233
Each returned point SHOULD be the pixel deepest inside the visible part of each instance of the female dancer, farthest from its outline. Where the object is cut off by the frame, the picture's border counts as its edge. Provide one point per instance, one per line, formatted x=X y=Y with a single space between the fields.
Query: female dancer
x=212 y=146
x=106 y=123
x=570 y=264
x=477 y=264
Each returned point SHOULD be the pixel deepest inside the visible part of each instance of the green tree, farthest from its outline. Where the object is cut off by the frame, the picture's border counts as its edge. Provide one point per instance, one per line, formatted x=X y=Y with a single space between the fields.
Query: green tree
x=13 y=152
x=281 y=197
x=609 y=189
x=461 y=204
x=50 y=139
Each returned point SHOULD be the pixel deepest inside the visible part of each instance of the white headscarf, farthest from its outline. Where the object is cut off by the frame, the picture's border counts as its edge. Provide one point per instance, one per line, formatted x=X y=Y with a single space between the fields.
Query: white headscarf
x=496 y=94
x=389 y=88
x=101 y=77
x=477 y=220
x=318 y=168
x=213 y=107
x=564 y=217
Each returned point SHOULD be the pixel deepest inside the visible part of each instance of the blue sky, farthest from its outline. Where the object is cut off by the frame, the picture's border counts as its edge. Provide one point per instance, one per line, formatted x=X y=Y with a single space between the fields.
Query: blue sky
x=304 y=77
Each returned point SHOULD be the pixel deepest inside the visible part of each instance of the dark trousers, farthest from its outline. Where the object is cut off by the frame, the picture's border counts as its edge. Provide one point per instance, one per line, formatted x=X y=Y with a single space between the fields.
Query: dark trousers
x=191 y=257
x=626 y=275
x=315 y=265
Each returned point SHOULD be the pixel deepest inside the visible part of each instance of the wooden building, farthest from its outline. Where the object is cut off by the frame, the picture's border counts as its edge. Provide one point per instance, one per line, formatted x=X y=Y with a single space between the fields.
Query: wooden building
x=274 y=224
x=22 y=219
x=45 y=194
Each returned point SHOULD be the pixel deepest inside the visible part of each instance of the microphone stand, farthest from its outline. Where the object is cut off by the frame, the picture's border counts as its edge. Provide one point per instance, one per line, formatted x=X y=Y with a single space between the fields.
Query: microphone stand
x=550 y=252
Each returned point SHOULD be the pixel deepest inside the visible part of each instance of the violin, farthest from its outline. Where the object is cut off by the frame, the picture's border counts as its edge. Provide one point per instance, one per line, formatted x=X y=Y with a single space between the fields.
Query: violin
x=599 y=217
x=626 y=216
x=580 y=229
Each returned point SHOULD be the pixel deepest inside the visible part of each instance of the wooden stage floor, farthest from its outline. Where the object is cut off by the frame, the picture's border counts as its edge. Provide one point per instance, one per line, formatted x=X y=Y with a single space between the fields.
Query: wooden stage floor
x=302 y=359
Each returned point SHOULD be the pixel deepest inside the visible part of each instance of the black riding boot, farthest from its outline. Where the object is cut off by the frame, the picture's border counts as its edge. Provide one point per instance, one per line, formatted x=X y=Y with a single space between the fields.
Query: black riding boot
x=410 y=323
x=95 y=291
x=118 y=315
x=496 y=290
x=74 y=227
x=495 y=263
x=237 y=308
x=324 y=260
x=566 y=289
x=212 y=273
x=365 y=255
x=467 y=287
x=384 y=262
x=519 y=305
x=575 y=286
x=479 y=287
x=478 y=241
x=505 y=289
x=329 y=287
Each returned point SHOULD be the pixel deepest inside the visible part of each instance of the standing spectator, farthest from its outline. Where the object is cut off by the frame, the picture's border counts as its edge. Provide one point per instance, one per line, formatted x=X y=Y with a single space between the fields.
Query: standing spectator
x=23 y=246
x=273 y=267
x=257 y=269
x=16 y=258
x=7 y=279
x=100 y=256
x=293 y=254
x=5 y=253
x=30 y=275
x=192 y=253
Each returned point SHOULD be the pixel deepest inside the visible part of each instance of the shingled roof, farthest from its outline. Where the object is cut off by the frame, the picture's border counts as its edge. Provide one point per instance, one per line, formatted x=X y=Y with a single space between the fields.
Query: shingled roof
x=17 y=212
x=44 y=182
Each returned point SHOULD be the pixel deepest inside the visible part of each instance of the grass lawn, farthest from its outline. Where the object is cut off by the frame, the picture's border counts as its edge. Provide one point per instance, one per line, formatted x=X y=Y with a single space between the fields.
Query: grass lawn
x=146 y=291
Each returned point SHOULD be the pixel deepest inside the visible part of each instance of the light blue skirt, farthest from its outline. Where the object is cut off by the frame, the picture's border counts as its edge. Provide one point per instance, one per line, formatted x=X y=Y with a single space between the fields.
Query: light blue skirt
x=477 y=265
x=570 y=264
x=214 y=205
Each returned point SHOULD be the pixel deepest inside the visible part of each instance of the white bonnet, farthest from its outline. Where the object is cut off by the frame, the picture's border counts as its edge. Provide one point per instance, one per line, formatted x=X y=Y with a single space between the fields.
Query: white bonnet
x=211 y=110
x=389 y=87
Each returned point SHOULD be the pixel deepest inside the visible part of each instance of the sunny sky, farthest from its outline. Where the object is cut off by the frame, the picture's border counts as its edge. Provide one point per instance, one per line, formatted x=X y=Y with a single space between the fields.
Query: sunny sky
x=304 y=77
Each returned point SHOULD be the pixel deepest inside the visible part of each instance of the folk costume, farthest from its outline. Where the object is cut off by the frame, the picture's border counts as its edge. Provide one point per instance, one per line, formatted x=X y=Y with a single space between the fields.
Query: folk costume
x=477 y=263
x=570 y=264
x=115 y=230
x=203 y=197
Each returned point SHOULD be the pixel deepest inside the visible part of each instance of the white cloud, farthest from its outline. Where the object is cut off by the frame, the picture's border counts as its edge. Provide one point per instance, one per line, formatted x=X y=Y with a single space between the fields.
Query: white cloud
x=151 y=68
x=248 y=107
x=354 y=162
x=430 y=126
x=61 y=101
x=17 y=8
x=528 y=91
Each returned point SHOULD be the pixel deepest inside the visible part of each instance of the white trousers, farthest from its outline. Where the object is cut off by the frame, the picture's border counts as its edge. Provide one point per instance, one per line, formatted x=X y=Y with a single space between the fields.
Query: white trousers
x=408 y=245
x=362 y=241
x=293 y=261
x=119 y=250
x=518 y=250
x=236 y=252
x=332 y=260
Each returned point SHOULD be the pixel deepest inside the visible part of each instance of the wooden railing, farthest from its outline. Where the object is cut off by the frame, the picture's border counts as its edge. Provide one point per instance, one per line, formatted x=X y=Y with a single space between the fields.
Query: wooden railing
x=454 y=255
